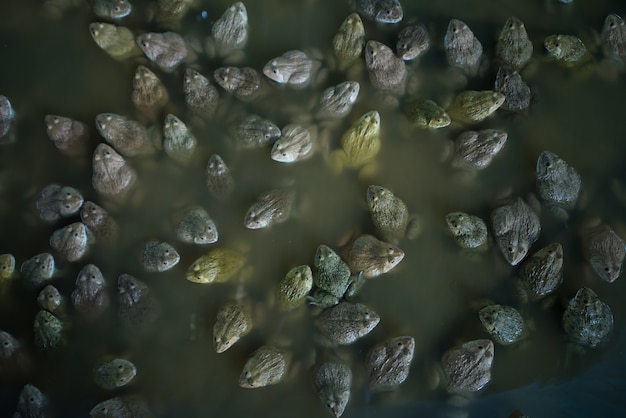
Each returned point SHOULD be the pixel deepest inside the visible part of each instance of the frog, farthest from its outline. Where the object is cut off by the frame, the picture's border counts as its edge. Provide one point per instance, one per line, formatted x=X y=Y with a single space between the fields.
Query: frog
x=371 y=257
x=333 y=279
x=558 y=183
x=469 y=231
x=587 y=320
x=169 y=13
x=110 y=374
x=503 y=323
x=7 y=271
x=270 y=208
x=295 y=144
x=425 y=113
x=294 y=68
x=475 y=150
x=266 y=366
x=230 y=31
x=58 y=202
x=604 y=250
x=112 y=175
x=293 y=289
x=337 y=101
x=463 y=49
x=111 y=9
x=72 y=241
x=516 y=92
x=69 y=136
x=390 y=215
x=31 y=402
x=568 y=50
x=49 y=331
x=117 y=41
x=201 y=96
x=37 y=270
x=216 y=266
x=244 y=83
x=359 y=145
x=99 y=222
x=90 y=298
x=542 y=273
x=129 y=137
x=349 y=40
x=381 y=11
x=513 y=47
x=121 y=406
x=7 y=117
x=195 y=226
x=255 y=132
x=158 y=256
x=386 y=71
x=178 y=141
x=167 y=50
x=345 y=323
x=136 y=306
x=219 y=179
x=149 y=94
x=233 y=321
x=52 y=301
x=389 y=362
x=9 y=347
x=515 y=228
x=333 y=382
x=613 y=38
x=413 y=42
x=467 y=367
x=472 y=106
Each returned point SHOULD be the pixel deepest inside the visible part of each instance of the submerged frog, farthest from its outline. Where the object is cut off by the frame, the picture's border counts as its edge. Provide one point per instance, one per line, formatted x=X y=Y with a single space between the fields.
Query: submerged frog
x=515 y=228
x=90 y=297
x=558 y=183
x=218 y=265
x=473 y=106
x=605 y=251
x=114 y=373
x=293 y=67
x=230 y=31
x=270 y=208
x=149 y=94
x=69 y=136
x=159 y=256
x=57 y=202
x=613 y=37
x=568 y=50
x=72 y=241
x=136 y=304
x=98 y=221
x=386 y=71
x=31 y=403
x=587 y=320
x=389 y=362
x=51 y=300
x=463 y=49
x=371 y=257
x=37 y=270
x=121 y=406
x=7 y=116
x=542 y=273
x=293 y=289
x=337 y=101
x=349 y=40
x=469 y=231
x=360 y=143
x=111 y=9
x=390 y=215
x=513 y=47
x=242 y=82
x=255 y=132
x=196 y=227
x=219 y=180
x=474 y=150
x=129 y=137
x=333 y=279
x=112 y=176
x=333 y=382
x=516 y=92
x=9 y=348
x=117 y=41
x=345 y=323
x=382 y=11
x=49 y=331
x=201 y=96
x=178 y=141
x=413 y=41
x=7 y=270
x=169 y=13
x=467 y=367
x=504 y=323
x=295 y=144
x=167 y=50
x=233 y=322
x=425 y=113
x=266 y=366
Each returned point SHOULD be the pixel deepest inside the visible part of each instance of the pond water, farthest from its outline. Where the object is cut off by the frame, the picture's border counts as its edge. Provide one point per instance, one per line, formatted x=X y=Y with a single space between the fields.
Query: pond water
x=50 y=65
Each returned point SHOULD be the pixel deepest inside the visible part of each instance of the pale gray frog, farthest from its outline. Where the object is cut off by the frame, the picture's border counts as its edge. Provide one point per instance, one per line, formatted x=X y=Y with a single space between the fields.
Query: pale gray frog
x=349 y=40
x=382 y=11
x=333 y=382
x=167 y=50
x=604 y=250
x=472 y=106
x=515 y=228
x=31 y=403
x=110 y=374
x=112 y=175
x=178 y=141
x=516 y=92
x=37 y=270
x=270 y=208
x=513 y=47
x=587 y=320
x=99 y=222
x=504 y=323
x=542 y=273
x=413 y=41
x=69 y=136
x=467 y=367
x=233 y=321
x=613 y=38
x=149 y=93
x=127 y=136
x=337 y=101
x=121 y=406
x=196 y=227
x=230 y=31
x=90 y=298
x=389 y=362
x=345 y=323
x=111 y=9
x=293 y=289
x=469 y=231
x=72 y=241
x=474 y=150
x=333 y=279
x=390 y=215
x=386 y=71
x=7 y=117
x=51 y=300
x=136 y=304
x=219 y=179
x=295 y=144
x=48 y=331
x=294 y=68
x=558 y=183
x=244 y=83
x=463 y=49
x=266 y=366
x=117 y=41
x=158 y=256
x=58 y=202
x=201 y=96
x=370 y=257
x=255 y=132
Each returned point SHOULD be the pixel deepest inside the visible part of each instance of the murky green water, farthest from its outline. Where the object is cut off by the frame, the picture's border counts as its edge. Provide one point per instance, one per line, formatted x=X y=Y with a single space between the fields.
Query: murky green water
x=53 y=66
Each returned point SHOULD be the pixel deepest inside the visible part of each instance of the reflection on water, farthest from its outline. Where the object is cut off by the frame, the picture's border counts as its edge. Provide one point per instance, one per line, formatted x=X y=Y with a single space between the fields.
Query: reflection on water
x=53 y=66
